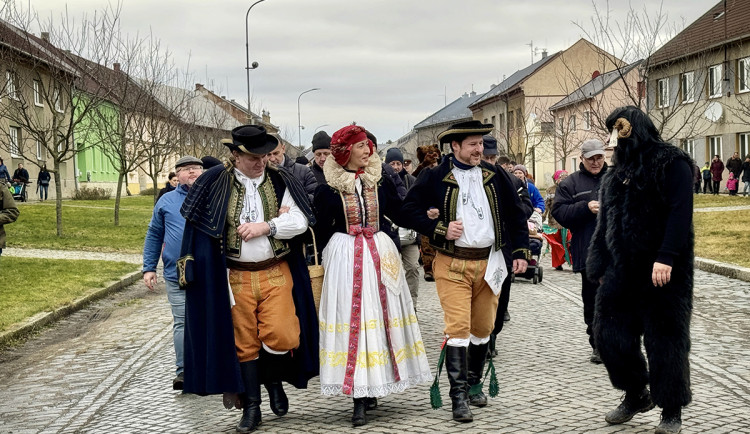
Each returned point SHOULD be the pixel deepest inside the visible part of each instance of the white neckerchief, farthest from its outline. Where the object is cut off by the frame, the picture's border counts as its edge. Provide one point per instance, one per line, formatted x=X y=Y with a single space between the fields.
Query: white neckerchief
x=252 y=205
x=473 y=209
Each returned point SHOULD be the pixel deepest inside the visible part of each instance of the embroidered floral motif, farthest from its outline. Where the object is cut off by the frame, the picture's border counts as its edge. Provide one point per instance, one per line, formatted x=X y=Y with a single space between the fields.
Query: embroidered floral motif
x=391 y=264
x=371 y=359
x=372 y=324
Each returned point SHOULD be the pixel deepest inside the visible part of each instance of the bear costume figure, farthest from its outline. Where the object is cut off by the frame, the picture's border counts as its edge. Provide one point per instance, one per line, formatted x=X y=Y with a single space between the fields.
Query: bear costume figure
x=642 y=255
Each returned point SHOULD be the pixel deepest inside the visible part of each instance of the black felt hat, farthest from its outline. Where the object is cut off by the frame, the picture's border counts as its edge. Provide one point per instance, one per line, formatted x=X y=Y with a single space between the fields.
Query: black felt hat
x=490 y=145
x=251 y=139
x=466 y=128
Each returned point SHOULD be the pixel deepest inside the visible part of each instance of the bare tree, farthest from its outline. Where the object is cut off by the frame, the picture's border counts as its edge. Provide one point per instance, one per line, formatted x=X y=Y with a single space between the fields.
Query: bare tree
x=41 y=98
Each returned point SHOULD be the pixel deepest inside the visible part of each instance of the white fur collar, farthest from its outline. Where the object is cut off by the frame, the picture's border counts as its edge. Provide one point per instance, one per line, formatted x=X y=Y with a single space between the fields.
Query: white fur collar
x=343 y=181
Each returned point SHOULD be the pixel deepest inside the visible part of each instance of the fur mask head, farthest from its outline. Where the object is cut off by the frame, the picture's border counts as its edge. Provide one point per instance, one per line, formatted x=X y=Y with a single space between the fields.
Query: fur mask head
x=632 y=134
x=428 y=155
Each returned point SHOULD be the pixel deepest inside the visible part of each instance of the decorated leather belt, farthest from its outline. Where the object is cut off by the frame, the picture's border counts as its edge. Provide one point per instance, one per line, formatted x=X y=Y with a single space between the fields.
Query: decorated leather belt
x=253 y=266
x=469 y=253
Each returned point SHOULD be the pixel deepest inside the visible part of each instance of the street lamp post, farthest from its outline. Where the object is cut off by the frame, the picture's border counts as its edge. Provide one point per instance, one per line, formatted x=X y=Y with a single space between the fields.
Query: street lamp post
x=299 y=118
x=319 y=127
x=248 y=67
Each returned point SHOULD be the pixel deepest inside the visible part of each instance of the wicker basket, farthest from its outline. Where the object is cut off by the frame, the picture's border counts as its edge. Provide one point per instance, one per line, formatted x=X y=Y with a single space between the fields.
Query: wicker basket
x=316 y=275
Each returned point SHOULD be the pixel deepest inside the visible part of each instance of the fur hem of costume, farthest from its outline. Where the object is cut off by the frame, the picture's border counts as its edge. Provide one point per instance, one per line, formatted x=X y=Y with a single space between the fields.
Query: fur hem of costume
x=343 y=180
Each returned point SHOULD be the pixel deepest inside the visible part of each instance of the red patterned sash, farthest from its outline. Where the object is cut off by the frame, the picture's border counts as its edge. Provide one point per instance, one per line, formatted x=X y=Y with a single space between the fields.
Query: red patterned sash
x=362 y=235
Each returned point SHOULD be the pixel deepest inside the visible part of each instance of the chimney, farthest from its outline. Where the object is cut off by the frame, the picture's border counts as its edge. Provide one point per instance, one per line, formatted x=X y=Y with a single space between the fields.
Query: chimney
x=473 y=94
x=116 y=66
x=45 y=36
x=544 y=54
x=198 y=86
x=266 y=117
x=223 y=97
x=465 y=95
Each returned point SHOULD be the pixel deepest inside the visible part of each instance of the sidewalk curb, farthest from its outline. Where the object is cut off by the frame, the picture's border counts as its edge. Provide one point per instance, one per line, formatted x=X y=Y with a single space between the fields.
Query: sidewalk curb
x=43 y=318
x=724 y=269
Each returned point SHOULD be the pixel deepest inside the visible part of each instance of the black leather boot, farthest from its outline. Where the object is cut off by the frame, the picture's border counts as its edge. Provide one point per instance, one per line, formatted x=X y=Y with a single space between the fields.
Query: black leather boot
x=456 y=366
x=477 y=355
x=272 y=367
x=251 y=408
x=359 y=417
x=634 y=403
x=492 y=350
x=371 y=403
x=671 y=421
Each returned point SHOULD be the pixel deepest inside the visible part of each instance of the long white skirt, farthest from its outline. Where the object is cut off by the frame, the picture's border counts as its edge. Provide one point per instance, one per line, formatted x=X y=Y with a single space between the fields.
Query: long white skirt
x=373 y=375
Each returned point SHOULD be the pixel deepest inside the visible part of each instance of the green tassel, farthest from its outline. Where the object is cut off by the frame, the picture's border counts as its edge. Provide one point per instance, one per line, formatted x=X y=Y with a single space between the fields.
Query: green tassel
x=476 y=389
x=436 y=401
x=494 y=386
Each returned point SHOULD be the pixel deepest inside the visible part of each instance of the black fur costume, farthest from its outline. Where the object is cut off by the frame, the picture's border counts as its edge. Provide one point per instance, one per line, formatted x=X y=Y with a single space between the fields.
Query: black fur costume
x=645 y=217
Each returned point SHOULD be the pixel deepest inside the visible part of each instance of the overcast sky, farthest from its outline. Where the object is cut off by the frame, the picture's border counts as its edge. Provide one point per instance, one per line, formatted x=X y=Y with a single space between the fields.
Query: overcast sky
x=386 y=64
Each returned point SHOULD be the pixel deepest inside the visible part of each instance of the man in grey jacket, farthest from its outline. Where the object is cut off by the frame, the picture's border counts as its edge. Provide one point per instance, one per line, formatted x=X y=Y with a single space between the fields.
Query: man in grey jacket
x=303 y=173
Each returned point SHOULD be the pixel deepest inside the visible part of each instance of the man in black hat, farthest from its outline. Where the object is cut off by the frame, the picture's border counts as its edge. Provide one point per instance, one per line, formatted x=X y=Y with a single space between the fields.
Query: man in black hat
x=321 y=142
x=242 y=232
x=163 y=240
x=479 y=212
x=304 y=174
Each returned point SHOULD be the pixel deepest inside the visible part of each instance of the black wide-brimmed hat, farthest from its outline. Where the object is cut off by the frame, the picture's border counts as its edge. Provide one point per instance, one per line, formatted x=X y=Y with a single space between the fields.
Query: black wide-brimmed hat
x=251 y=139
x=465 y=128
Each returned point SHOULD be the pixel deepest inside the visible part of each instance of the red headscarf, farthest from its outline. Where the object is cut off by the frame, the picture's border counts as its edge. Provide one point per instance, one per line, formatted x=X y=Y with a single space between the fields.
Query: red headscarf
x=343 y=139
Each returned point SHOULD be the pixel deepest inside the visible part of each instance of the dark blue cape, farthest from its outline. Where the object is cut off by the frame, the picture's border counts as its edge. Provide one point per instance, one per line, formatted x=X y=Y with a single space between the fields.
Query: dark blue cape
x=211 y=363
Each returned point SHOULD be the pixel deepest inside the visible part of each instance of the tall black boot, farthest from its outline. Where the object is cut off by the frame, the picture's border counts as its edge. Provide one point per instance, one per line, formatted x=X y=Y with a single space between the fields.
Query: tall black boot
x=492 y=350
x=359 y=417
x=272 y=369
x=477 y=355
x=251 y=409
x=456 y=366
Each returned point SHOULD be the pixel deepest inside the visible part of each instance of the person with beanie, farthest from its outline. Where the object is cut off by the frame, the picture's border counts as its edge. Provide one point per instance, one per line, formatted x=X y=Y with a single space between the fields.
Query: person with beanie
x=519 y=170
x=321 y=149
x=304 y=174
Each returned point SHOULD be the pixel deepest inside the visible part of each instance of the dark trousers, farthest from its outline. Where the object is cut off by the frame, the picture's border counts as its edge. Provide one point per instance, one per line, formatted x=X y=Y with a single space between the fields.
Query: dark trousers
x=716 y=187
x=707 y=186
x=697 y=186
x=588 y=295
x=502 y=305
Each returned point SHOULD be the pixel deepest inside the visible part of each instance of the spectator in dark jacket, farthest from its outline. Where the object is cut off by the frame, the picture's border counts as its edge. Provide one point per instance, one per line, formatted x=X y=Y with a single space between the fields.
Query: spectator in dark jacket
x=21 y=175
x=734 y=165
x=304 y=174
x=43 y=183
x=696 y=178
x=575 y=207
x=746 y=175
x=4 y=174
x=706 y=174
x=321 y=148
x=172 y=183
x=717 y=170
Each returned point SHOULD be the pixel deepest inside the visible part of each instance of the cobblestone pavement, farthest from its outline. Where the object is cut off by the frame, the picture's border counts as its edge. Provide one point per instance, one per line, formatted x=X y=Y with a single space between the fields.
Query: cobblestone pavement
x=108 y=368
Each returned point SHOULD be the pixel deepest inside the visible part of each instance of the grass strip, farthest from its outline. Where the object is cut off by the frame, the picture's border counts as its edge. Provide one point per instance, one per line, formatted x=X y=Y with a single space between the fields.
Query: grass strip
x=31 y=285
x=87 y=225
x=723 y=236
x=722 y=200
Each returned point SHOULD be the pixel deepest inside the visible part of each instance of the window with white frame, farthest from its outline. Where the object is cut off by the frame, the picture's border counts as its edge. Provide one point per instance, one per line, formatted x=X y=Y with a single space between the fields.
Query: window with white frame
x=714 y=81
x=572 y=123
x=39 y=150
x=38 y=93
x=744 y=144
x=662 y=92
x=587 y=120
x=714 y=146
x=11 y=84
x=688 y=145
x=686 y=87
x=743 y=75
x=15 y=137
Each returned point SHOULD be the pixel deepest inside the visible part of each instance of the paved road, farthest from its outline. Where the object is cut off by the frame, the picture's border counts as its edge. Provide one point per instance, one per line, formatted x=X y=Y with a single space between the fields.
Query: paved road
x=108 y=368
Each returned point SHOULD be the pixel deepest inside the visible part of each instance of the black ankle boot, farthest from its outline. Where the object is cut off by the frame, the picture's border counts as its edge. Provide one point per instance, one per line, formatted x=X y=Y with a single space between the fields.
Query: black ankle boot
x=671 y=421
x=456 y=368
x=371 y=403
x=272 y=367
x=492 y=350
x=634 y=403
x=251 y=409
x=359 y=417
x=477 y=355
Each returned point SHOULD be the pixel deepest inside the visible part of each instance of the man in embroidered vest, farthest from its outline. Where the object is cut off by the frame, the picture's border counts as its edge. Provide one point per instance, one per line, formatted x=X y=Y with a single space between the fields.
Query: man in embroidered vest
x=241 y=233
x=479 y=213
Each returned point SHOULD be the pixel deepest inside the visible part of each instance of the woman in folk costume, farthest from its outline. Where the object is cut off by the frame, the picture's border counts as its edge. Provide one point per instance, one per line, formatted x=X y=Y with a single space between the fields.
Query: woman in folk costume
x=370 y=343
x=558 y=237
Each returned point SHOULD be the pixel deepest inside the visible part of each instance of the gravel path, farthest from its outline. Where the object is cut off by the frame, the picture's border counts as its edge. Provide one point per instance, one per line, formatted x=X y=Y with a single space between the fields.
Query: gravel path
x=722 y=208
x=131 y=258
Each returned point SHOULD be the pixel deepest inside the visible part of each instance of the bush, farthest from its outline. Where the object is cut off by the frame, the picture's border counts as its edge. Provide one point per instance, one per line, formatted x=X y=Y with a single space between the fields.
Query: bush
x=147 y=192
x=94 y=193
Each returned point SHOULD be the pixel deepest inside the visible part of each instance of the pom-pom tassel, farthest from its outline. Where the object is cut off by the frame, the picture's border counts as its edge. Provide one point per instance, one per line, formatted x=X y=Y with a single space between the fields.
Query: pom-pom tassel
x=436 y=401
